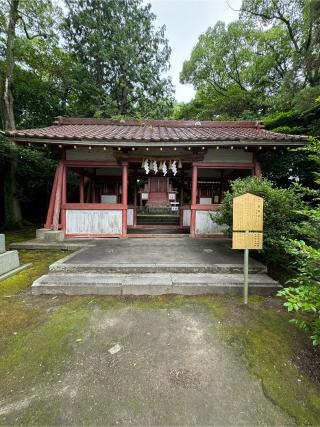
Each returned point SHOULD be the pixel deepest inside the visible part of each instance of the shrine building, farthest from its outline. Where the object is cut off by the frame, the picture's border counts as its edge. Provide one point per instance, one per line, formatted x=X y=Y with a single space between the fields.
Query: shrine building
x=130 y=178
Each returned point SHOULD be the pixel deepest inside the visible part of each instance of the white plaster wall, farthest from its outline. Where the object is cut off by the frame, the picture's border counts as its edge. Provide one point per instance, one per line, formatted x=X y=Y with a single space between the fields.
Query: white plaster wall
x=96 y=153
x=227 y=155
x=93 y=221
x=186 y=217
x=205 y=225
x=130 y=213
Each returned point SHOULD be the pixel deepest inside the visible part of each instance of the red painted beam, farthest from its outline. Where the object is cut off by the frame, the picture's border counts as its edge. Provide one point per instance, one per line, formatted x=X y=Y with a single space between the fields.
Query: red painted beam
x=92 y=163
x=58 y=197
x=212 y=207
x=92 y=206
x=223 y=165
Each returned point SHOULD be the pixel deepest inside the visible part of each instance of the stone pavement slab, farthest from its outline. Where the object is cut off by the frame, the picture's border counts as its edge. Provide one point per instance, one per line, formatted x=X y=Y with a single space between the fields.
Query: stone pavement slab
x=159 y=251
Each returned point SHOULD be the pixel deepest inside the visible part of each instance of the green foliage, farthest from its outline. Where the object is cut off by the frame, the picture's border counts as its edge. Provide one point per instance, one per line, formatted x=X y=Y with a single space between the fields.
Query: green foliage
x=300 y=20
x=303 y=293
x=280 y=211
x=283 y=168
x=118 y=45
x=266 y=61
x=35 y=172
x=58 y=62
x=296 y=121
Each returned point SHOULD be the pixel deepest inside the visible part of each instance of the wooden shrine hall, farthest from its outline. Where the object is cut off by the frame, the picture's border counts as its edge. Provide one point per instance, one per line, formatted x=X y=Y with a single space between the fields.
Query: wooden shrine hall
x=127 y=178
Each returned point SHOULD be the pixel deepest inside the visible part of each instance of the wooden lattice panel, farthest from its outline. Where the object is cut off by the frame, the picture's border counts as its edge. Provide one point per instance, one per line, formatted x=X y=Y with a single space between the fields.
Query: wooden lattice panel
x=248 y=213
x=242 y=240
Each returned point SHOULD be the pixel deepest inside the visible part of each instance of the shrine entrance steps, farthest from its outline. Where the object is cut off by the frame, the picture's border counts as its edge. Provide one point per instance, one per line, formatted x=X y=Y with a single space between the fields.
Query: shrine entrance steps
x=156 y=215
x=154 y=267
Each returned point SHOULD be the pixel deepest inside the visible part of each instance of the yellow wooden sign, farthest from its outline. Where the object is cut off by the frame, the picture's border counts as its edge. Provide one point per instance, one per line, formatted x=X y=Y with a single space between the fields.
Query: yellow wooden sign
x=248 y=213
x=241 y=240
x=247 y=222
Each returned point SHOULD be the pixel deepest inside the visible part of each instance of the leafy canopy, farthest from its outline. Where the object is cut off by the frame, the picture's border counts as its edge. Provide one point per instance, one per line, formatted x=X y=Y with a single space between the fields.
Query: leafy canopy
x=118 y=45
x=265 y=62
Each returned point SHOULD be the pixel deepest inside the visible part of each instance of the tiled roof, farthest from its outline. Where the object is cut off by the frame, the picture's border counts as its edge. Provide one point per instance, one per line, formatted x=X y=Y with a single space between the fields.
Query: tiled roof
x=100 y=130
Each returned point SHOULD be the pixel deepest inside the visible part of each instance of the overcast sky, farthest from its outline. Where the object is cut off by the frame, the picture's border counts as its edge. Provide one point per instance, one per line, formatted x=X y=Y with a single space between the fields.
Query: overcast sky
x=185 y=20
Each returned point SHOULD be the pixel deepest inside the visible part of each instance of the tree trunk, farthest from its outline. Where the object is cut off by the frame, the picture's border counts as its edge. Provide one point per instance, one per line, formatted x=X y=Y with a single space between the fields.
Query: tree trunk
x=13 y=217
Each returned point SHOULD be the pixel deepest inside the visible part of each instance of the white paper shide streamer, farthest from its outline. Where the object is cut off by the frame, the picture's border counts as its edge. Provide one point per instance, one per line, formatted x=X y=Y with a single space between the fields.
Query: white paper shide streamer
x=161 y=166
x=146 y=166
x=155 y=167
x=164 y=168
x=174 y=168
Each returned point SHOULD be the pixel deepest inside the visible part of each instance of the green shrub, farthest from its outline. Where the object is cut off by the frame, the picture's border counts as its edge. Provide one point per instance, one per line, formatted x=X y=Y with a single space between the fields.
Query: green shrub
x=287 y=129
x=303 y=292
x=280 y=212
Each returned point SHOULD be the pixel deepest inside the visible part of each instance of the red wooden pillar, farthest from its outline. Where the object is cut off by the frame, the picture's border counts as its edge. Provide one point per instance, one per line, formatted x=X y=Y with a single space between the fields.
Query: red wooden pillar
x=124 y=198
x=64 y=198
x=193 y=200
x=256 y=170
x=58 y=197
x=81 y=189
x=49 y=220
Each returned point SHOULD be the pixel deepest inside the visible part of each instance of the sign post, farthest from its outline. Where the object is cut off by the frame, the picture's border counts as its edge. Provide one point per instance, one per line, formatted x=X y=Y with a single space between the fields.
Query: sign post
x=245 y=276
x=247 y=230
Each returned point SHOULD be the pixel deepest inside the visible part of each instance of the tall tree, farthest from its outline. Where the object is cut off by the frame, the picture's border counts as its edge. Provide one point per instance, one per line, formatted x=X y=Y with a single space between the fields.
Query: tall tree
x=301 y=21
x=233 y=69
x=120 y=47
x=267 y=60
x=19 y=19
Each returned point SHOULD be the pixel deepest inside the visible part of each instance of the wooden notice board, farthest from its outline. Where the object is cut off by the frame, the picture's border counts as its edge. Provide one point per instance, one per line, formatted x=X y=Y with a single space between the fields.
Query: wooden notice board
x=247 y=222
x=243 y=240
x=248 y=213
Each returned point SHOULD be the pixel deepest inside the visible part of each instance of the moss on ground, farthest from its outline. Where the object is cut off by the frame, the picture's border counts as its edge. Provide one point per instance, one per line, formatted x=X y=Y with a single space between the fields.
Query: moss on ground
x=38 y=336
x=266 y=342
x=15 y=236
x=40 y=262
x=36 y=354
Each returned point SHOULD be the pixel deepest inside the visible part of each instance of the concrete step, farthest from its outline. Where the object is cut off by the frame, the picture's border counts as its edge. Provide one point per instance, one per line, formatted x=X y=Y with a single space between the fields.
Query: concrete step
x=152 y=284
x=135 y=268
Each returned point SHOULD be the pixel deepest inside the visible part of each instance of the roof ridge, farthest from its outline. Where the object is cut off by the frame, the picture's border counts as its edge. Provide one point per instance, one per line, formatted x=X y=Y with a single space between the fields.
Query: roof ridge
x=244 y=124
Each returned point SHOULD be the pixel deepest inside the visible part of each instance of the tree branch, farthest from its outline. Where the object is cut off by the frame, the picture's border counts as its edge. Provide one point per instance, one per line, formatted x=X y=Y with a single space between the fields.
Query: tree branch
x=29 y=37
x=279 y=17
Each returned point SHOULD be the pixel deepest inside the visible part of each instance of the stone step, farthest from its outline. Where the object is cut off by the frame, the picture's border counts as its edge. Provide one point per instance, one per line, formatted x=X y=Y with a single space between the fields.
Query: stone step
x=158 y=219
x=134 y=268
x=152 y=284
x=162 y=223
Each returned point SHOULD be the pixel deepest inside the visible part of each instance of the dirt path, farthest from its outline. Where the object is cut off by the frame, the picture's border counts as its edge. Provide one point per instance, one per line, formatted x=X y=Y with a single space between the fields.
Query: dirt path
x=171 y=369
